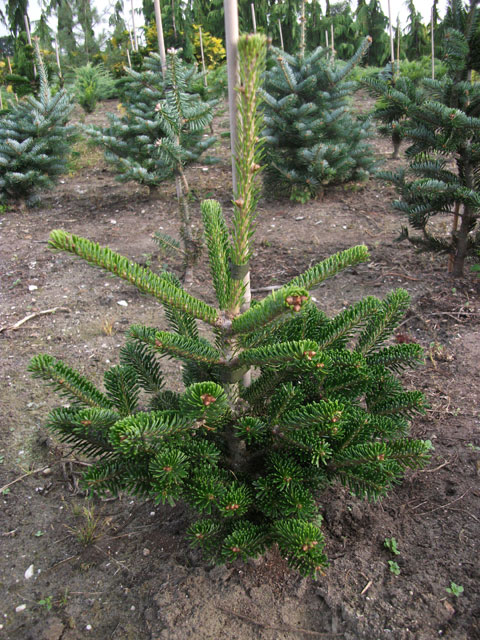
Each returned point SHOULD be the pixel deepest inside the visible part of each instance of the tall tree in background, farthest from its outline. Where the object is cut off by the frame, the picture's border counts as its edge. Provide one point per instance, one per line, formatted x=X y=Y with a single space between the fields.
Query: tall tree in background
x=416 y=39
x=13 y=18
x=288 y=13
x=43 y=32
x=209 y=13
x=87 y=16
x=372 y=21
x=65 y=25
x=148 y=10
x=117 y=20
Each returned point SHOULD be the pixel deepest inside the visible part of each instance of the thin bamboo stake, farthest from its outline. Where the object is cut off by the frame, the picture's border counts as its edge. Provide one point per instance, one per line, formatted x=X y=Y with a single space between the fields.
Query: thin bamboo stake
x=332 y=43
x=231 y=38
x=432 y=35
x=10 y=72
x=133 y=27
x=29 y=38
x=131 y=39
x=326 y=39
x=398 y=44
x=128 y=58
x=203 y=57
x=281 y=33
x=1 y=99
x=392 y=49
x=57 y=54
x=161 y=41
x=254 y=20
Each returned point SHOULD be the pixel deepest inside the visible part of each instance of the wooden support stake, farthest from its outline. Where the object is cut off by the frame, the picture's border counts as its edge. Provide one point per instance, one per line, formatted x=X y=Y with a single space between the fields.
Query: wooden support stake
x=57 y=54
x=203 y=57
x=332 y=43
x=281 y=33
x=29 y=38
x=254 y=21
x=392 y=49
x=128 y=58
x=161 y=41
x=326 y=38
x=432 y=34
x=302 y=30
x=231 y=38
x=133 y=27
x=398 y=45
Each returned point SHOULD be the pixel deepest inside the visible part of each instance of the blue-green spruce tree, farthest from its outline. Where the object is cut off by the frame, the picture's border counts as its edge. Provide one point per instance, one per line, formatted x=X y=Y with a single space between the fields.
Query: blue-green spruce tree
x=311 y=137
x=35 y=142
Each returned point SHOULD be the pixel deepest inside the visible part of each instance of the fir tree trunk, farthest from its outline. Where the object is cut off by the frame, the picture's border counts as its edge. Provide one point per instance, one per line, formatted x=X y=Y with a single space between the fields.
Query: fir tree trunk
x=468 y=219
x=461 y=244
x=396 y=141
x=189 y=245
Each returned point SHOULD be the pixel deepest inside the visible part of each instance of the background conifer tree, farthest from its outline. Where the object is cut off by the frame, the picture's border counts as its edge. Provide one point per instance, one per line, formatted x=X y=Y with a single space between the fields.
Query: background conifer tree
x=326 y=403
x=443 y=125
x=391 y=114
x=312 y=139
x=132 y=141
x=35 y=142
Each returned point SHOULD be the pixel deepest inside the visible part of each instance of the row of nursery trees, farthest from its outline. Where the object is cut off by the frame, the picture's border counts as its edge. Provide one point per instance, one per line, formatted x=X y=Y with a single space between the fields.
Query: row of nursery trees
x=311 y=138
x=79 y=40
x=282 y=400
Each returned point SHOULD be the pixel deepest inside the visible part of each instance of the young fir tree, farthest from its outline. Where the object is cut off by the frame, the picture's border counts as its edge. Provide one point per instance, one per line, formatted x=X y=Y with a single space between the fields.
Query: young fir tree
x=312 y=139
x=325 y=406
x=131 y=142
x=443 y=177
x=35 y=142
x=391 y=114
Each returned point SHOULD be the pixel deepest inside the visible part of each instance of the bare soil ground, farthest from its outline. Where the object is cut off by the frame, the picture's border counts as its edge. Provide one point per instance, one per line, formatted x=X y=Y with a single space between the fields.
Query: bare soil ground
x=136 y=577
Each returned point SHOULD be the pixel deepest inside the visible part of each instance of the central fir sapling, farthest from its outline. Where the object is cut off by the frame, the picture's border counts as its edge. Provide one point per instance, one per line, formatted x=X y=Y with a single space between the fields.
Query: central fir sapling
x=312 y=139
x=325 y=405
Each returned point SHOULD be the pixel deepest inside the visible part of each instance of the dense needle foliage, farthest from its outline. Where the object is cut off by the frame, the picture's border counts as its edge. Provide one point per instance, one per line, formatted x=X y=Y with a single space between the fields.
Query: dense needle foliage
x=326 y=403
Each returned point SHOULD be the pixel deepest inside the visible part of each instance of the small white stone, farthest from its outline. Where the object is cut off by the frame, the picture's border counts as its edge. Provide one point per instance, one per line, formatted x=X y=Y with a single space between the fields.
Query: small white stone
x=122 y=303
x=300 y=218
x=152 y=513
x=32 y=287
x=29 y=572
x=112 y=221
x=20 y=608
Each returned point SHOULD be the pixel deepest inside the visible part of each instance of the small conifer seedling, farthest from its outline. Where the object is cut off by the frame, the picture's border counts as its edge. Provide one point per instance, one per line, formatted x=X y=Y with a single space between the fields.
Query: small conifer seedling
x=325 y=404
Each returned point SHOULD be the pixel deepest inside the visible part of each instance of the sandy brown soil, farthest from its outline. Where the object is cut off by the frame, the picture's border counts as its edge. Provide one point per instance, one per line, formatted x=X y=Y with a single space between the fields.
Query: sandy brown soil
x=138 y=579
